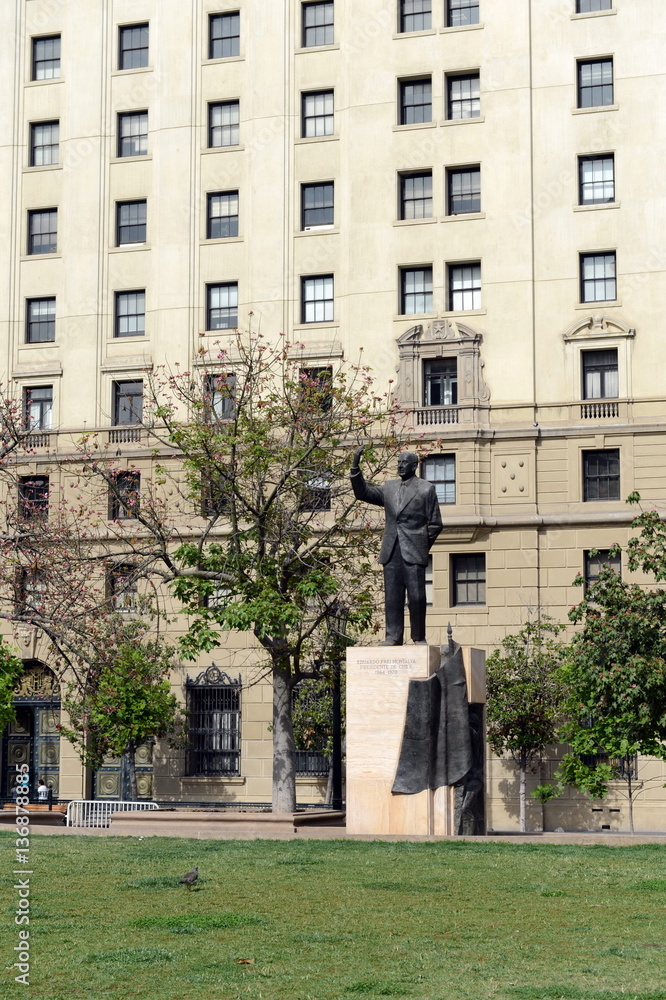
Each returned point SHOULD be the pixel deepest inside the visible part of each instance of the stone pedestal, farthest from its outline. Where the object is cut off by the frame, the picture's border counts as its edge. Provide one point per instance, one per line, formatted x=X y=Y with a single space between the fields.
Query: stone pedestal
x=377 y=683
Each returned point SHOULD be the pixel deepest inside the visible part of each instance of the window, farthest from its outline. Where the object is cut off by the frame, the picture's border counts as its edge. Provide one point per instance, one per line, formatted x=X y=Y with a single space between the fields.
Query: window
x=44 y=144
x=441 y=471
x=222 y=306
x=33 y=496
x=217 y=597
x=595 y=560
x=415 y=290
x=46 y=58
x=32 y=589
x=597 y=277
x=596 y=179
x=214 y=724
x=318 y=114
x=215 y=493
x=127 y=403
x=224 y=36
x=316 y=492
x=220 y=393
x=40 y=326
x=223 y=124
x=133 y=47
x=130 y=320
x=133 y=133
x=461 y=12
x=601 y=474
x=469 y=579
x=600 y=374
x=317 y=299
x=464 y=286
x=124 y=495
x=316 y=387
x=416 y=195
x=317 y=24
x=317 y=205
x=43 y=231
x=130 y=222
x=38 y=407
x=440 y=383
x=222 y=215
x=415 y=15
x=415 y=101
x=122 y=589
x=464 y=96
x=589 y=6
x=463 y=190
x=595 y=83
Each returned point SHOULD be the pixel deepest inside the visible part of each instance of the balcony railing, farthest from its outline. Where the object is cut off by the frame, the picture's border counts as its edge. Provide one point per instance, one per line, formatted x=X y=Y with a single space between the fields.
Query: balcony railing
x=124 y=435
x=599 y=409
x=37 y=439
x=429 y=415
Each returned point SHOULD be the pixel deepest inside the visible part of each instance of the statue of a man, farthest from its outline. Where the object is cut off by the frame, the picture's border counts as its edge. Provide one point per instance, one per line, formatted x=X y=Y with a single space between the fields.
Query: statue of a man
x=413 y=522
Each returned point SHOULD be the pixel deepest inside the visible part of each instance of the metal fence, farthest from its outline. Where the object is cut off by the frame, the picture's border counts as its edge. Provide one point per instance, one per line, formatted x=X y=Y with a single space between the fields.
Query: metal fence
x=93 y=813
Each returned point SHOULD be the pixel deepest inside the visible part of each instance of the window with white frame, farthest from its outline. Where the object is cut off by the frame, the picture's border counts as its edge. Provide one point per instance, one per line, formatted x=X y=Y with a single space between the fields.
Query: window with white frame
x=317 y=299
x=598 y=282
x=224 y=35
x=223 y=124
x=317 y=114
x=464 y=286
x=440 y=470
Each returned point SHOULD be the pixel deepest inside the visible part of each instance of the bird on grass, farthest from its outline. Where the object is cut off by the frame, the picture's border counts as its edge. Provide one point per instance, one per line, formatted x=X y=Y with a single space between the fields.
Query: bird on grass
x=190 y=878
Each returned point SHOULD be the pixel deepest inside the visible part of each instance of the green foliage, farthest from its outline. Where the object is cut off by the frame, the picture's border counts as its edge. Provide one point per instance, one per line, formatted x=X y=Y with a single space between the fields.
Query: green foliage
x=312 y=715
x=525 y=693
x=615 y=667
x=11 y=668
x=127 y=700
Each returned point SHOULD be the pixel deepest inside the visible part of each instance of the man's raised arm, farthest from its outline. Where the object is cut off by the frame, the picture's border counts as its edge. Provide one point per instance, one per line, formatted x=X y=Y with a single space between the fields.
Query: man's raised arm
x=362 y=490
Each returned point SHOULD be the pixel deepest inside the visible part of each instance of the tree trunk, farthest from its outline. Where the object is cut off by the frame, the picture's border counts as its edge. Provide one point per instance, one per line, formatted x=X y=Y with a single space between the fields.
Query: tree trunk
x=131 y=758
x=522 y=794
x=284 y=758
x=630 y=795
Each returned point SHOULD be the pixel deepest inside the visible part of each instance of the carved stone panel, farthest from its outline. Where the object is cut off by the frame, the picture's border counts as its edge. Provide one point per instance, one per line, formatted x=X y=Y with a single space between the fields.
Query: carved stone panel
x=512 y=478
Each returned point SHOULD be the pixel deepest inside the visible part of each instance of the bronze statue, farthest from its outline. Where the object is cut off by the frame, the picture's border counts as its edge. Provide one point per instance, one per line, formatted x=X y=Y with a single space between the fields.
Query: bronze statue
x=413 y=522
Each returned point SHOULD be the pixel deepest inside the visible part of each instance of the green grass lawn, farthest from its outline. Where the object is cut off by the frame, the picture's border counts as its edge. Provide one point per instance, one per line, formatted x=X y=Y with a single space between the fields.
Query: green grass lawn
x=337 y=920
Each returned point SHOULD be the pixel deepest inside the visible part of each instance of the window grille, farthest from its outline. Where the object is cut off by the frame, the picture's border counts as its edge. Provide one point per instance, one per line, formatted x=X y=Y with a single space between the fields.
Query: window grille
x=214 y=706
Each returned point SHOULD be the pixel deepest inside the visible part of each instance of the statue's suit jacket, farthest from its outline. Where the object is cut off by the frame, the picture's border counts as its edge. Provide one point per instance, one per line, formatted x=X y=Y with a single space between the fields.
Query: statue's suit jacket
x=412 y=515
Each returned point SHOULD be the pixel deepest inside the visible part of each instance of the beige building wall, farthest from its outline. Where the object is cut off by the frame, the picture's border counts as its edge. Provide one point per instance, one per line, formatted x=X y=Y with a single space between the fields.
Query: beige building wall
x=521 y=428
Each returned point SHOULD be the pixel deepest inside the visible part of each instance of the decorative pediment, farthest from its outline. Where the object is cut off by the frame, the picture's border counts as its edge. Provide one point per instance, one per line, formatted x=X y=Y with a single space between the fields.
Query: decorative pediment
x=597 y=327
x=37 y=682
x=213 y=677
x=437 y=331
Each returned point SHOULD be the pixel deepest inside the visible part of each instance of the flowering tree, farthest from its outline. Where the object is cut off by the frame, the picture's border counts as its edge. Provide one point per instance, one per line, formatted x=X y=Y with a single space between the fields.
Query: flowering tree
x=525 y=697
x=242 y=505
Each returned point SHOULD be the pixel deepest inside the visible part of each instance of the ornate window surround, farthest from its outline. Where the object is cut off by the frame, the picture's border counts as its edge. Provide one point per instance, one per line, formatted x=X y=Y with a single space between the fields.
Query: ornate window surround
x=443 y=338
x=599 y=331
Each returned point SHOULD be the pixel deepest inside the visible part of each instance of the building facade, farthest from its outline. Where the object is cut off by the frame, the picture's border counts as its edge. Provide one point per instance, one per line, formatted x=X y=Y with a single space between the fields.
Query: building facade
x=469 y=191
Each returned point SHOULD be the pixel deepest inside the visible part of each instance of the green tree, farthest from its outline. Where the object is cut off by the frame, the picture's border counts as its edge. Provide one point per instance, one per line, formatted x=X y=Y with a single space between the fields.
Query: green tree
x=126 y=701
x=615 y=670
x=11 y=668
x=525 y=697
